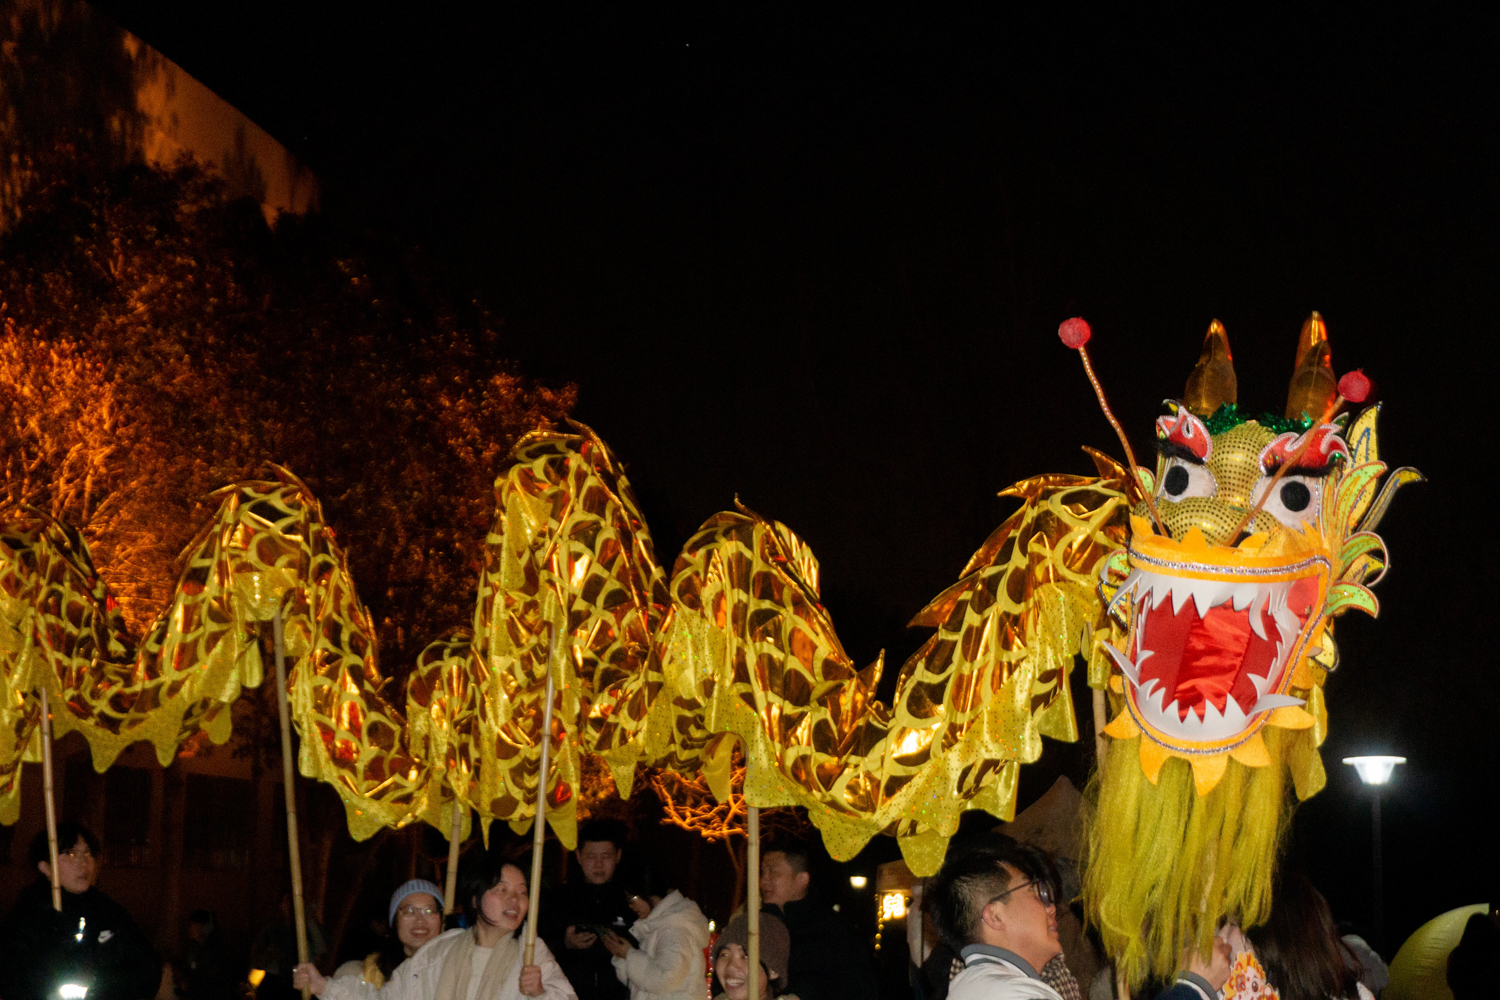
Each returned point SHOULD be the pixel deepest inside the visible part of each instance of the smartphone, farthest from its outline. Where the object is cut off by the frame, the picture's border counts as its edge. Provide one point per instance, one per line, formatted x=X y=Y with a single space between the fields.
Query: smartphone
x=600 y=930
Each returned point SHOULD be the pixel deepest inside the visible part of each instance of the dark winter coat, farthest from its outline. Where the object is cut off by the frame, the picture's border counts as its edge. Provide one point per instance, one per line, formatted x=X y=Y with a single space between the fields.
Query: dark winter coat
x=582 y=903
x=92 y=942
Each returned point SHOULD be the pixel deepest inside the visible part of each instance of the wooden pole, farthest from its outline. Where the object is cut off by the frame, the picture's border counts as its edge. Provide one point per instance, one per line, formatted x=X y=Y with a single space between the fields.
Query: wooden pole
x=752 y=875
x=539 y=825
x=1122 y=986
x=450 y=886
x=50 y=799
x=293 y=853
x=1099 y=712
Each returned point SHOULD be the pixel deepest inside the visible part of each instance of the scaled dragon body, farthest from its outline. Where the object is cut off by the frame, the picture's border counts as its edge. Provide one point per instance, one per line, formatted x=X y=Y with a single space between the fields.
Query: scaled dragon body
x=1213 y=643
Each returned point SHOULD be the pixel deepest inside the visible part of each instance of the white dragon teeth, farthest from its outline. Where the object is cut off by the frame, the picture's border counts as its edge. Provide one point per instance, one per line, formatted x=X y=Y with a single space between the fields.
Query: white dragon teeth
x=1151 y=591
x=1271 y=701
x=1257 y=616
x=1130 y=670
x=1160 y=591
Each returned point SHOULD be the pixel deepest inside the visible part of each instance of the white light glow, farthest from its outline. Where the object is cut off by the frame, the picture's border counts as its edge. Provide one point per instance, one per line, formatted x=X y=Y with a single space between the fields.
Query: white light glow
x=1375 y=770
x=858 y=881
x=72 y=991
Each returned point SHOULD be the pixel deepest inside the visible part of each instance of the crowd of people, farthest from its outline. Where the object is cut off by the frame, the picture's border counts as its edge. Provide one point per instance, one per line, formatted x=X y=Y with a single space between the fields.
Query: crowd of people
x=994 y=909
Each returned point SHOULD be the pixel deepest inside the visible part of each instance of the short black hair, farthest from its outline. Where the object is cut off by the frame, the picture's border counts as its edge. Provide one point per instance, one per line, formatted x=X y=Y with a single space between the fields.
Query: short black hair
x=68 y=835
x=799 y=854
x=481 y=875
x=601 y=830
x=970 y=879
x=650 y=882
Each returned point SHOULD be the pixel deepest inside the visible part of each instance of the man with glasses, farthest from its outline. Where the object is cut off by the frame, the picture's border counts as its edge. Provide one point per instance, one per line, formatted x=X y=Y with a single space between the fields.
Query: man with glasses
x=997 y=908
x=91 y=950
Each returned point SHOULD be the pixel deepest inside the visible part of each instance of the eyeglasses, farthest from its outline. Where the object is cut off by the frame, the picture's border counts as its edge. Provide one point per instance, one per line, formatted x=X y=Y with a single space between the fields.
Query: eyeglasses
x=417 y=911
x=1043 y=892
x=76 y=853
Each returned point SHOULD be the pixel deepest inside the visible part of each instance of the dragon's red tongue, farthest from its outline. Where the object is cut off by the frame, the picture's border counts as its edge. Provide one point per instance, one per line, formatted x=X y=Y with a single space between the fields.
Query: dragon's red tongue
x=1208 y=658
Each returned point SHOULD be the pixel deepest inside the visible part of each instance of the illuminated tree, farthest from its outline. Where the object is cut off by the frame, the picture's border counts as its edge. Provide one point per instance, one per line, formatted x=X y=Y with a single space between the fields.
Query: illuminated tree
x=690 y=804
x=160 y=340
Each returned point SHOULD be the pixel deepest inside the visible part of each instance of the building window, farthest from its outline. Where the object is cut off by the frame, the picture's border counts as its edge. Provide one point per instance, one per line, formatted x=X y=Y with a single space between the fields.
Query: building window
x=127 y=817
x=219 y=822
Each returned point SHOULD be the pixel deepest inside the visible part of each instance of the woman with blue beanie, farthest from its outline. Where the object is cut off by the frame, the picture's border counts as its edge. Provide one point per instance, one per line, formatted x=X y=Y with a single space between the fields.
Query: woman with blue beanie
x=416 y=917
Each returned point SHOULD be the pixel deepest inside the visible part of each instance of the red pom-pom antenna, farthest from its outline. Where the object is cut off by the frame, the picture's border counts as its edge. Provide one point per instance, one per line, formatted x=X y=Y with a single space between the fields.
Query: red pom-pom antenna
x=1074 y=332
x=1355 y=386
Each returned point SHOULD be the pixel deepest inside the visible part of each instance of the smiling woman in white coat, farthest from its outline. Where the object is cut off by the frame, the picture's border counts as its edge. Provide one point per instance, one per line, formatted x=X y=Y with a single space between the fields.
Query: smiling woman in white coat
x=481 y=963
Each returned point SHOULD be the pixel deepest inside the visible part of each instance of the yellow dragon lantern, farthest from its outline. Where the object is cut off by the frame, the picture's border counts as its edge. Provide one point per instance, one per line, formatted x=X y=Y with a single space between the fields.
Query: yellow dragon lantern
x=1200 y=594
x=1245 y=543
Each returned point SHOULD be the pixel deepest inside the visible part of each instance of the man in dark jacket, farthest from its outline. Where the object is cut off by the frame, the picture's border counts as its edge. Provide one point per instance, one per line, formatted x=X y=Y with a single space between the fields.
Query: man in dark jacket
x=829 y=962
x=573 y=915
x=92 y=945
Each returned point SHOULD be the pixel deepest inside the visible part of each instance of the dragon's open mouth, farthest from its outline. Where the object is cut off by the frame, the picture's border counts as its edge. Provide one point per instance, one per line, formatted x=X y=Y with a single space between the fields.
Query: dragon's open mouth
x=1210 y=650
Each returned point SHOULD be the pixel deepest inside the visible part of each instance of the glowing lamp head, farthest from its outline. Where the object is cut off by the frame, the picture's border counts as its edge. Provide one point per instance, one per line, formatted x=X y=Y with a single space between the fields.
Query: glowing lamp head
x=72 y=991
x=1375 y=770
x=858 y=881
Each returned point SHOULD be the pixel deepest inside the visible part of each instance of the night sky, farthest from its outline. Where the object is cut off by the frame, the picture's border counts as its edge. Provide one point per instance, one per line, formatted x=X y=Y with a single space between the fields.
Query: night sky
x=817 y=260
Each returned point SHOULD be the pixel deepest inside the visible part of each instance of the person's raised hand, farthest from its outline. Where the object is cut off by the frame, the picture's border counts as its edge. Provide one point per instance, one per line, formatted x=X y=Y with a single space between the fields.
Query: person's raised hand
x=1215 y=969
x=579 y=940
x=308 y=975
x=617 y=945
x=531 y=980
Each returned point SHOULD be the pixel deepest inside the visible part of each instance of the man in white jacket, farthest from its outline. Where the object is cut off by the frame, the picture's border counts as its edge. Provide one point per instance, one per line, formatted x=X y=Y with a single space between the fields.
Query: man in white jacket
x=1001 y=921
x=668 y=965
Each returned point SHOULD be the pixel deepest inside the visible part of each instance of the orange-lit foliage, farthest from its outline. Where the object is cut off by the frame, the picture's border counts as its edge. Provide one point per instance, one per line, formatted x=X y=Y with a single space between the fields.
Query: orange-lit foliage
x=160 y=340
x=690 y=804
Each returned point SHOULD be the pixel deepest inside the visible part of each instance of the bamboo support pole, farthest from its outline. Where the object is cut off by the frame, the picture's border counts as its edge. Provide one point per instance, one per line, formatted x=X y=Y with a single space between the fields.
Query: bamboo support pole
x=539 y=825
x=50 y=799
x=294 y=854
x=450 y=882
x=1099 y=712
x=752 y=864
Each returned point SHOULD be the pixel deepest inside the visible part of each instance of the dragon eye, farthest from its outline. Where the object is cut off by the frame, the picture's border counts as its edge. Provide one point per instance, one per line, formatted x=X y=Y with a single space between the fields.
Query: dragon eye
x=1295 y=501
x=1182 y=479
x=1295 y=496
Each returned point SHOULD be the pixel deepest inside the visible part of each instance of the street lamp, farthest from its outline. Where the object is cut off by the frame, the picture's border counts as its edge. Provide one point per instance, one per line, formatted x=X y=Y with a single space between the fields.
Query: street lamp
x=1376 y=771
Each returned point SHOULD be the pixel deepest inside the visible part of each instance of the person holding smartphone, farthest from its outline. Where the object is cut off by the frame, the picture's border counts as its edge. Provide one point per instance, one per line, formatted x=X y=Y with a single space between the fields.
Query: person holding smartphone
x=662 y=957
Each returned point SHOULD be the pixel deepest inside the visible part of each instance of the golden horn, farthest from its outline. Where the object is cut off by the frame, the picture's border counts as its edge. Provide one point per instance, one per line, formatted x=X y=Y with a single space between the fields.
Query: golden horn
x=1314 y=385
x=1212 y=383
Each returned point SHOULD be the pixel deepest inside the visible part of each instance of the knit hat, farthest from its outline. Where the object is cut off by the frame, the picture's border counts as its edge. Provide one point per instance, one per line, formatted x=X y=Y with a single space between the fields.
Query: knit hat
x=775 y=944
x=407 y=889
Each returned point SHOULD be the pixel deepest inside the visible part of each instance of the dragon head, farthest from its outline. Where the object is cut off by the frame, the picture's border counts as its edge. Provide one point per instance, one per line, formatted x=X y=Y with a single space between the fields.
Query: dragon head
x=1255 y=533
